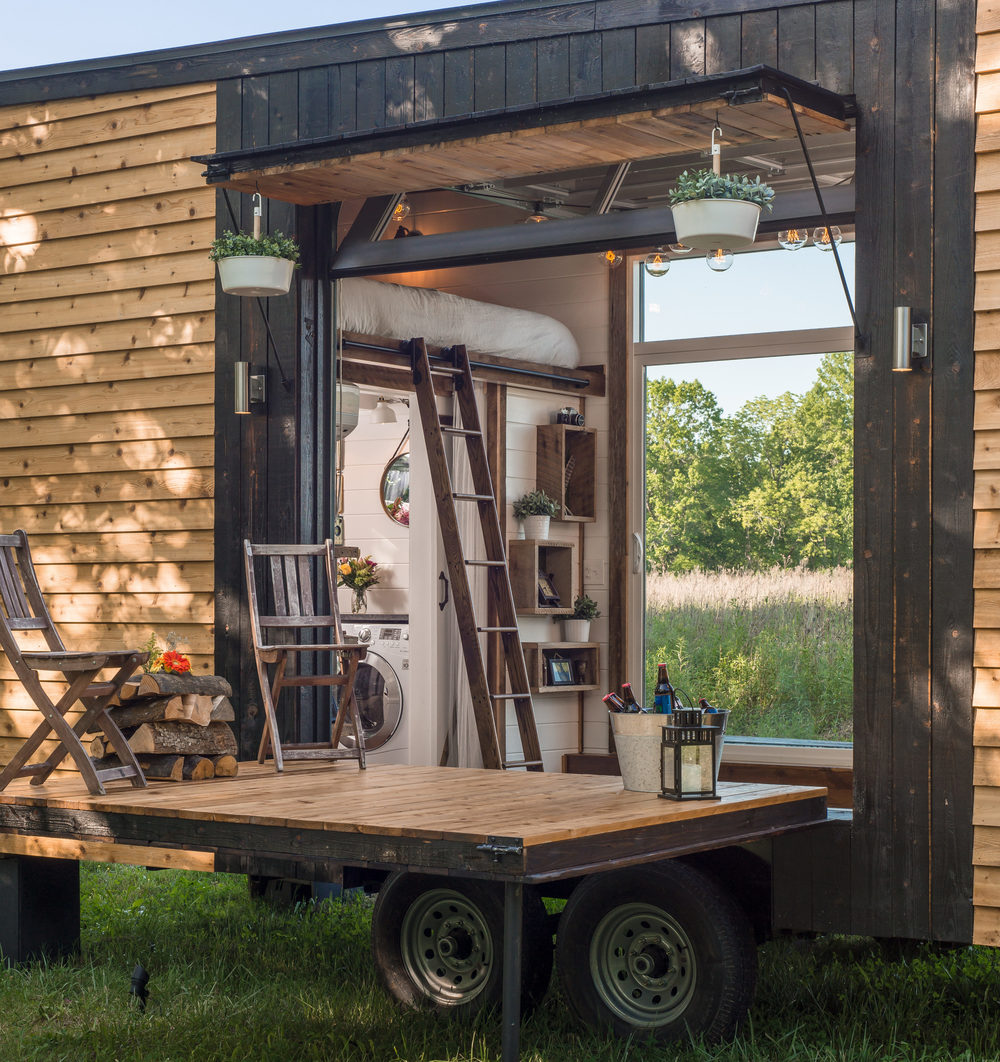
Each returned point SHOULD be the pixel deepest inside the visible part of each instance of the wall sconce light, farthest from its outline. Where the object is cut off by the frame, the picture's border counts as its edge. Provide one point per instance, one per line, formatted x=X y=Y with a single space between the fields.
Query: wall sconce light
x=910 y=342
x=251 y=389
x=384 y=413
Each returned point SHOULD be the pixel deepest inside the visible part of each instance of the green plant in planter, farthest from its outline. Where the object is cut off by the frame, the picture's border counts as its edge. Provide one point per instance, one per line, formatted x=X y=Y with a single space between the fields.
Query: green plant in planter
x=241 y=244
x=704 y=184
x=535 y=503
x=585 y=608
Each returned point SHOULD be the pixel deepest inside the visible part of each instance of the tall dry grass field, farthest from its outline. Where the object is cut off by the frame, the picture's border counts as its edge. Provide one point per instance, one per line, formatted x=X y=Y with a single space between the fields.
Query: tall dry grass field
x=775 y=647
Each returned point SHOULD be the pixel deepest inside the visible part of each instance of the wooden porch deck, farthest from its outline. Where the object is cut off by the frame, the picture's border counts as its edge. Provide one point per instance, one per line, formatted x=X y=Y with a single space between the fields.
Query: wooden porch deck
x=313 y=819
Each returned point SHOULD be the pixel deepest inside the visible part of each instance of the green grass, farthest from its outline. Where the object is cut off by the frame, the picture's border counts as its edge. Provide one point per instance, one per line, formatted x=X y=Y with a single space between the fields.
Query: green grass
x=774 y=647
x=232 y=979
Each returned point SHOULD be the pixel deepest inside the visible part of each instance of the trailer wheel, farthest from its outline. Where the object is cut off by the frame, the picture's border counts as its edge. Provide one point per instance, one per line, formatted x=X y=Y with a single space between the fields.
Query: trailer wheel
x=657 y=950
x=438 y=942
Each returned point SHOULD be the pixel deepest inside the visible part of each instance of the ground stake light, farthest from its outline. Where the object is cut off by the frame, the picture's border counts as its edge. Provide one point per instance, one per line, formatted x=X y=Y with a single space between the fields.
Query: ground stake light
x=687 y=758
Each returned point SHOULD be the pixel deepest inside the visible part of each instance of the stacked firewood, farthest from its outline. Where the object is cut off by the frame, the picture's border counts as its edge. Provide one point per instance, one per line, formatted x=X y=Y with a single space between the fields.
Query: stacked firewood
x=177 y=726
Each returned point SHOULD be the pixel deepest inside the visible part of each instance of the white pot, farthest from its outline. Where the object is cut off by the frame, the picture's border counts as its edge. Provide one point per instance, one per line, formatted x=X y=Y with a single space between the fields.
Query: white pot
x=536 y=526
x=254 y=274
x=576 y=630
x=706 y=224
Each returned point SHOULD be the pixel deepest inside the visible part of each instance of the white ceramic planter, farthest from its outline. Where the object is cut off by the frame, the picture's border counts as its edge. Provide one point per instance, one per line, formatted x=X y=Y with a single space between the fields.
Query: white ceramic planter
x=536 y=526
x=706 y=224
x=576 y=630
x=254 y=274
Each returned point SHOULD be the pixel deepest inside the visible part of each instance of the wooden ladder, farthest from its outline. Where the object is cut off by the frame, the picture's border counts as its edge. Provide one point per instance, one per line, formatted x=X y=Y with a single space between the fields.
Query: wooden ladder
x=499 y=593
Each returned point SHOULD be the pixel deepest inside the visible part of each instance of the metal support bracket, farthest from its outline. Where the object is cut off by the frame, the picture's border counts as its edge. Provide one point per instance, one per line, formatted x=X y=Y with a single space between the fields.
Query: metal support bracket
x=498 y=847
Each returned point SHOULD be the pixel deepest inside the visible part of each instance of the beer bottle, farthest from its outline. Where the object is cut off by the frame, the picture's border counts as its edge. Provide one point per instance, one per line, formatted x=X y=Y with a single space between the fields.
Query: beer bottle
x=664 y=698
x=614 y=702
x=631 y=704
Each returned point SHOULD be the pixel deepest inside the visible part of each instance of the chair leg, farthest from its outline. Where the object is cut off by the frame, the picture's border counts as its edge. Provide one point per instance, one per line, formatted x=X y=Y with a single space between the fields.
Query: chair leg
x=121 y=746
x=270 y=694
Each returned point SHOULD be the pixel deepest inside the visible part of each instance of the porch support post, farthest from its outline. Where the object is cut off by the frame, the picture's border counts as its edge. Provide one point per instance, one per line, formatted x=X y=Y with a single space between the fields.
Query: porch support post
x=39 y=908
x=512 y=925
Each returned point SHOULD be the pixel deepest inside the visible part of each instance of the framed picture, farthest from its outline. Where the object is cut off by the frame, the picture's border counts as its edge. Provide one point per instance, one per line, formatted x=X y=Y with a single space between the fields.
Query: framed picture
x=548 y=595
x=561 y=672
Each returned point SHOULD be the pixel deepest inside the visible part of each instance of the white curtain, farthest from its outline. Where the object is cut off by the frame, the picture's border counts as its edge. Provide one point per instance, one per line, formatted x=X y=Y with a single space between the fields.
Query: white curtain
x=463 y=738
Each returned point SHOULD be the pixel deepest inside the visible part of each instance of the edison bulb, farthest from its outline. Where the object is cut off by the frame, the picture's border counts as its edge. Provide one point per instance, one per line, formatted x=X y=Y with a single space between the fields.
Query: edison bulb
x=720 y=259
x=679 y=248
x=402 y=211
x=793 y=239
x=612 y=259
x=657 y=264
x=826 y=238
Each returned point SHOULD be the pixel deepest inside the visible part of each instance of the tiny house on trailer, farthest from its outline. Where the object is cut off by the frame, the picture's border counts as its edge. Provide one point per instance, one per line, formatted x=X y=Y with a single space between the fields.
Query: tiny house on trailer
x=123 y=457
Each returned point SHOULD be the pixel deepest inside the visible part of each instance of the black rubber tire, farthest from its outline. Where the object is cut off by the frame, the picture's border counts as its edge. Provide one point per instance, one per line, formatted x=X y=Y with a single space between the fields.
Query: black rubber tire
x=441 y=977
x=659 y=951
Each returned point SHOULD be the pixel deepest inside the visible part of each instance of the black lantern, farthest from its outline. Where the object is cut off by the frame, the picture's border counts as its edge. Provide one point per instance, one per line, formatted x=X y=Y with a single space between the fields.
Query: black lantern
x=687 y=757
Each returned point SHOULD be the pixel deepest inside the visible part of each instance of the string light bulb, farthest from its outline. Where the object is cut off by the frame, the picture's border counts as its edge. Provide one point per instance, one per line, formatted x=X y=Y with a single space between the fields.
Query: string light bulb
x=825 y=238
x=793 y=239
x=719 y=260
x=402 y=211
x=657 y=264
x=612 y=259
x=679 y=248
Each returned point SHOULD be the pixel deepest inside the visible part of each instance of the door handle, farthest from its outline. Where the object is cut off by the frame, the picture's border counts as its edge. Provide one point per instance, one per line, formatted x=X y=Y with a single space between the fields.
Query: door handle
x=442 y=605
x=638 y=552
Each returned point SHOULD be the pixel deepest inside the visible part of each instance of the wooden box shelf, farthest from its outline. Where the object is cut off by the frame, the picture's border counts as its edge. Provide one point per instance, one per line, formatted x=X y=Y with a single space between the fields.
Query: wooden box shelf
x=526 y=558
x=566 y=469
x=584 y=658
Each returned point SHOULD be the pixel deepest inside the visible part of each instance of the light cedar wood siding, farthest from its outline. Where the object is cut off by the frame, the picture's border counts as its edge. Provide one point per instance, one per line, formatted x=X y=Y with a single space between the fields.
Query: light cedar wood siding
x=107 y=357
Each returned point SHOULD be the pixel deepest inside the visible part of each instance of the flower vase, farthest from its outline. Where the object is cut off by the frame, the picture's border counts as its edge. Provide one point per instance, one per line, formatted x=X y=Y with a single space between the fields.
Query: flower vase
x=359 y=603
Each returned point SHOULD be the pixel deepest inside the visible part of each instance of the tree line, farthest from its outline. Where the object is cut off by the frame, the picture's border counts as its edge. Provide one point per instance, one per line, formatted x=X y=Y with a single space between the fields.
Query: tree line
x=768 y=486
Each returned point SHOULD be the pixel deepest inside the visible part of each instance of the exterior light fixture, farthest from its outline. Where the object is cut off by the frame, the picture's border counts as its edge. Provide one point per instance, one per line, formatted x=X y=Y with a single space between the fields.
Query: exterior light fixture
x=793 y=239
x=537 y=216
x=910 y=341
x=687 y=757
x=825 y=238
x=719 y=260
x=612 y=259
x=250 y=389
x=402 y=211
x=657 y=264
x=383 y=412
x=679 y=248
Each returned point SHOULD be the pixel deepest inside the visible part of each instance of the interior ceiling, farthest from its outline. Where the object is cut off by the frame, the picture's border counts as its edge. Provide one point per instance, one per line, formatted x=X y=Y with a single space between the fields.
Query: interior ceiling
x=571 y=192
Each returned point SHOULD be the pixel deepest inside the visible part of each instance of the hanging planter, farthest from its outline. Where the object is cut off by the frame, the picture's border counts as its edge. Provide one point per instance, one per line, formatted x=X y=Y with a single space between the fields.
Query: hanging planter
x=718 y=210
x=255 y=265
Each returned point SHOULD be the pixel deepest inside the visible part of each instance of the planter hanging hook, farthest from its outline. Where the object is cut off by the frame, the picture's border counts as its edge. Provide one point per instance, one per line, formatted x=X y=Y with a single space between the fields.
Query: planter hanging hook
x=258 y=210
x=717 y=150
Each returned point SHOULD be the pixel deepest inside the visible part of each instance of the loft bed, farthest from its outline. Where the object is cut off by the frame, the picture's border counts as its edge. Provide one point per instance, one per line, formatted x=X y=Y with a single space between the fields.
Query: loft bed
x=505 y=345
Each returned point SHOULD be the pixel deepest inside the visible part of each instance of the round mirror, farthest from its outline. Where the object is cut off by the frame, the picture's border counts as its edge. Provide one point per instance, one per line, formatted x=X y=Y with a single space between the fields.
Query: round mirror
x=395 y=489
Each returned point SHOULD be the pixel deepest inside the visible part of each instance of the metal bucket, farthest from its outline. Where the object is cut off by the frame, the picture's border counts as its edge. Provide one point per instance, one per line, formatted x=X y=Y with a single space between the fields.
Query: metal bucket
x=638 y=737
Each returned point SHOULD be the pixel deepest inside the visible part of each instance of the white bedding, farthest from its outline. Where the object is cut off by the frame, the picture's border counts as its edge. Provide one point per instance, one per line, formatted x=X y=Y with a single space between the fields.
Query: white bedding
x=395 y=311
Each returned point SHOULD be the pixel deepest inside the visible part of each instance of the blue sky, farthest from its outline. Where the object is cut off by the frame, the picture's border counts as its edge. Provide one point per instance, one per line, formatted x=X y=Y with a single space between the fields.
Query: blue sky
x=64 y=30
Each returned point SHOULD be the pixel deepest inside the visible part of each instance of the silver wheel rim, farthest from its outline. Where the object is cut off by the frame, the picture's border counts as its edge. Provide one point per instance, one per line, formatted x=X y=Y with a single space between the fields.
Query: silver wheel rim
x=643 y=965
x=446 y=947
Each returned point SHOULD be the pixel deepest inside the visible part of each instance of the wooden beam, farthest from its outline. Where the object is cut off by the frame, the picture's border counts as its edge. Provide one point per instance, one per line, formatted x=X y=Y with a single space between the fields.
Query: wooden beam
x=610 y=187
x=137 y=855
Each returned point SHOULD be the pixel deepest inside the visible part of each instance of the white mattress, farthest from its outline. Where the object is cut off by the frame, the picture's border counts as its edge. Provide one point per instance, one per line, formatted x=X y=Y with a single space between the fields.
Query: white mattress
x=375 y=308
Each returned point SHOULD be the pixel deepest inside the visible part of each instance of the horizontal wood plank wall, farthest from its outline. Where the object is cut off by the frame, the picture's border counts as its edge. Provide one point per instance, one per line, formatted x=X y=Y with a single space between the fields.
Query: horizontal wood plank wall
x=106 y=368
x=986 y=698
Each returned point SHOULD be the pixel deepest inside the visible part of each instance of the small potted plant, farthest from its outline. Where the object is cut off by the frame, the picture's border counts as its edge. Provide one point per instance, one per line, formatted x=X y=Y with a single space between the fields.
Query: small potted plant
x=535 y=510
x=576 y=628
x=713 y=210
x=255 y=265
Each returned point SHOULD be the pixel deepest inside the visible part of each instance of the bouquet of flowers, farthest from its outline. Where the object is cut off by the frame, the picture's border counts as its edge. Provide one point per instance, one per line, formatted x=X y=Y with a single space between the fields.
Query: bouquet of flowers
x=165 y=659
x=357 y=574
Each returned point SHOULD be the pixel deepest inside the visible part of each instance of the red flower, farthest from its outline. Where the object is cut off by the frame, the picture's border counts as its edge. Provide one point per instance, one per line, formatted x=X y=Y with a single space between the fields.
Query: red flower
x=175 y=662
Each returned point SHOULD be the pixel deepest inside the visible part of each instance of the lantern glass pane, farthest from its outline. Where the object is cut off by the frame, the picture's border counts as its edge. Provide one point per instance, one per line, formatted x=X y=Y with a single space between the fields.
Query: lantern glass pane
x=696 y=768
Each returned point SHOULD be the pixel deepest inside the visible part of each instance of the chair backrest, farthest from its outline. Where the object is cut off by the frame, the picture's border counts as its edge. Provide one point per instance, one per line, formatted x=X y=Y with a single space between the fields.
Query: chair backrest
x=22 y=607
x=292 y=588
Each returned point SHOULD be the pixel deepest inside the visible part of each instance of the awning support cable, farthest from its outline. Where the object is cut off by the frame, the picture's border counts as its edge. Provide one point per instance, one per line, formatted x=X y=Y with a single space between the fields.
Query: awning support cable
x=860 y=341
x=285 y=382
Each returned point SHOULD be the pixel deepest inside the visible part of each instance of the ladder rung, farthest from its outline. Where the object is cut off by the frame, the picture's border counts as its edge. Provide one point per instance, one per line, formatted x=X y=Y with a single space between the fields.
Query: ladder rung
x=473 y=497
x=446 y=370
x=486 y=564
x=460 y=431
x=510 y=696
x=496 y=630
x=522 y=763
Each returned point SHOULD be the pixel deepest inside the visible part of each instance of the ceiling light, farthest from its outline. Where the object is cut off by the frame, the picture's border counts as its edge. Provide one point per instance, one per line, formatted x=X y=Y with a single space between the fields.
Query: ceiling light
x=825 y=238
x=612 y=259
x=719 y=260
x=657 y=264
x=383 y=413
x=402 y=211
x=793 y=239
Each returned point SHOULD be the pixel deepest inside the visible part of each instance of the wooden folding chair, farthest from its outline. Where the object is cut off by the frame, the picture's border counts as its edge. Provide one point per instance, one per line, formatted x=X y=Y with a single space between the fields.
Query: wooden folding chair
x=295 y=611
x=22 y=609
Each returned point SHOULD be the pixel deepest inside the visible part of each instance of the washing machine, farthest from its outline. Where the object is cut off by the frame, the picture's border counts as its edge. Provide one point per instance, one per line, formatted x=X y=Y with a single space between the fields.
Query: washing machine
x=381 y=688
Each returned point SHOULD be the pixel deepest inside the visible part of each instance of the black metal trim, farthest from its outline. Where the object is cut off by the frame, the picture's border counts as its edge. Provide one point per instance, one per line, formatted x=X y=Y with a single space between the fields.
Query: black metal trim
x=748 y=84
